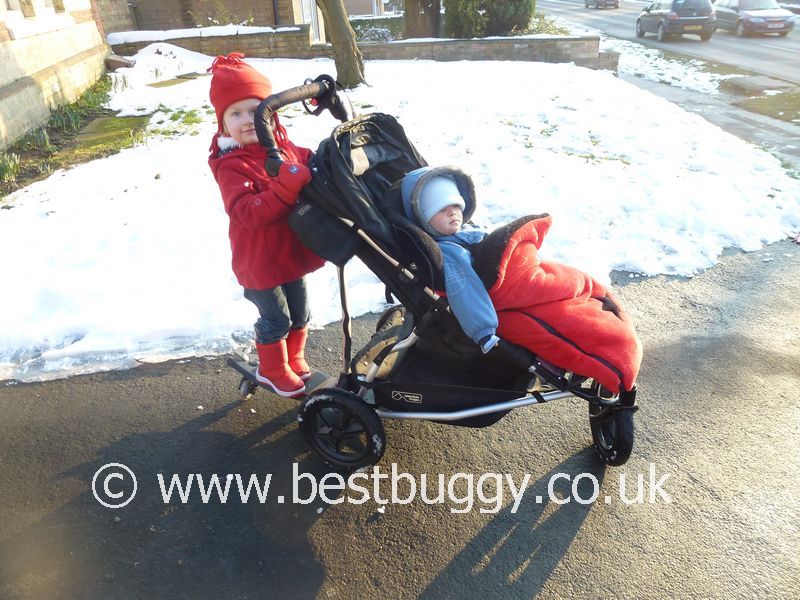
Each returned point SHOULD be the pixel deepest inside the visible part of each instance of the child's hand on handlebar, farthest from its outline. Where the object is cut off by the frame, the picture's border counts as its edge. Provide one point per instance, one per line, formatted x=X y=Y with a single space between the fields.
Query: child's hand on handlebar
x=293 y=177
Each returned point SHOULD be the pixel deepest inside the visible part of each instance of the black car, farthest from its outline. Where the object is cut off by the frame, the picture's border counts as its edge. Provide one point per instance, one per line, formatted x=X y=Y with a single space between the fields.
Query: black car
x=746 y=17
x=666 y=18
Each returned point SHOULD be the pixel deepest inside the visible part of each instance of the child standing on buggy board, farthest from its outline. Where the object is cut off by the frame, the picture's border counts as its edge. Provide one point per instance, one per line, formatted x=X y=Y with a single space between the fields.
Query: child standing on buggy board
x=268 y=259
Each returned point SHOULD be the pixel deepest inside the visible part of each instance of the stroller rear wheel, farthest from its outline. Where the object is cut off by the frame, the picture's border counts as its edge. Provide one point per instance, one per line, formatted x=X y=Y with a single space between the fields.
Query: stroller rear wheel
x=343 y=430
x=612 y=431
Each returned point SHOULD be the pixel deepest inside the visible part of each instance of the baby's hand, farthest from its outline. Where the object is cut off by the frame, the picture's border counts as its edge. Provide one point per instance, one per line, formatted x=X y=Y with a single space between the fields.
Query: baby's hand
x=293 y=177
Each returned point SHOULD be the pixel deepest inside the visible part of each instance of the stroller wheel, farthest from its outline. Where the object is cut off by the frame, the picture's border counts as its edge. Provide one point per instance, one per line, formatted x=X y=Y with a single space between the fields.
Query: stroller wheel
x=343 y=430
x=247 y=388
x=612 y=432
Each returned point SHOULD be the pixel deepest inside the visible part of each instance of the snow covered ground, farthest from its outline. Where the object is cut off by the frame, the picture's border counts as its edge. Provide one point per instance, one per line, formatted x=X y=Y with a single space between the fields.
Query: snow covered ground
x=126 y=259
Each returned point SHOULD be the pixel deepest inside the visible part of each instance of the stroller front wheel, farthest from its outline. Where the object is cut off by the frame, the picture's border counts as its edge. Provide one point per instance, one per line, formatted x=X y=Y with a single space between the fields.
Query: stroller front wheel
x=612 y=433
x=341 y=429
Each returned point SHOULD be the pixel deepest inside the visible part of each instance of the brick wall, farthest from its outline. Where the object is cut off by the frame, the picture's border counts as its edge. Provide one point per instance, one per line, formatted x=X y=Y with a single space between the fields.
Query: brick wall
x=160 y=15
x=115 y=15
x=285 y=44
x=582 y=50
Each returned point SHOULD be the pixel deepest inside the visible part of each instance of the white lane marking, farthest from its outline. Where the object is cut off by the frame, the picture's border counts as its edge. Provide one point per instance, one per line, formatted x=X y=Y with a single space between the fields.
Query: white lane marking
x=780 y=48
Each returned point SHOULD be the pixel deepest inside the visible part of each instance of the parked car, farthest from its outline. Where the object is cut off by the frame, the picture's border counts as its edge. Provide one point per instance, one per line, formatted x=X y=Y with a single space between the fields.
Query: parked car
x=746 y=17
x=602 y=3
x=793 y=6
x=666 y=18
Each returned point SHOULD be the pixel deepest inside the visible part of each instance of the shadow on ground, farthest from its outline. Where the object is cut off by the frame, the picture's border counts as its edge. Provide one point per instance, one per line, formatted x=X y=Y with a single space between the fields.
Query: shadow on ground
x=516 y=553
x=149 y=549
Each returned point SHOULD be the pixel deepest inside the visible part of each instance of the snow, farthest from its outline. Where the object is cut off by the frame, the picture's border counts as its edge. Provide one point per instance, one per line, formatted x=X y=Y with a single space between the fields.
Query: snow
x=126 y=259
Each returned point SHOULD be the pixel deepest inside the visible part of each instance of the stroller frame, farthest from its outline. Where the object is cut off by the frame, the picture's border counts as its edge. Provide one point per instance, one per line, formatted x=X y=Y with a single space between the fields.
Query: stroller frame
x=342 y=423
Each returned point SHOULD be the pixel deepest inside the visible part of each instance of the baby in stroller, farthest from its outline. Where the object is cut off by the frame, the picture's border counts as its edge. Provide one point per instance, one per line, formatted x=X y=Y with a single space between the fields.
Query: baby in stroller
x=435 y=199
x=563 y=315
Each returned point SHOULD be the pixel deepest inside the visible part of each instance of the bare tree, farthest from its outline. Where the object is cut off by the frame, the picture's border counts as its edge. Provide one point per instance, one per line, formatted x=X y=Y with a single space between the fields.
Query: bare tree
x=347 y=56
x=422 y=18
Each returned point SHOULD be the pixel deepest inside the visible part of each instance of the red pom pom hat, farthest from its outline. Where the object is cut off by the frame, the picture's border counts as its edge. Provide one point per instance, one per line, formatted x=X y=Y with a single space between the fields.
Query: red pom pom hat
x=233 y=80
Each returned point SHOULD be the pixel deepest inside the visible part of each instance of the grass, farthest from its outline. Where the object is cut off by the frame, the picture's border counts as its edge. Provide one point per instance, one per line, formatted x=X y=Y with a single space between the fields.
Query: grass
x=785 y=106
x=56 y=145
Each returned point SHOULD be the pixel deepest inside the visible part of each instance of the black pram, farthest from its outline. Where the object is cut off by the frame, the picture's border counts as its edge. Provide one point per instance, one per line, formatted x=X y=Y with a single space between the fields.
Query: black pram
x=418 y=364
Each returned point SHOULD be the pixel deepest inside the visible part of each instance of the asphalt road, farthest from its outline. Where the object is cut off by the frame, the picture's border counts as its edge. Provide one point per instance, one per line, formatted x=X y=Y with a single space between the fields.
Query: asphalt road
x=720 y=417
x=769 y=54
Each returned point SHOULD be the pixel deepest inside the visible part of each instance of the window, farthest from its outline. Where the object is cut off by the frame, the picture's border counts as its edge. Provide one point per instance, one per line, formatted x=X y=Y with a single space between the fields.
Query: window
x=759 y=4
x=693 y=4
x=55 y=6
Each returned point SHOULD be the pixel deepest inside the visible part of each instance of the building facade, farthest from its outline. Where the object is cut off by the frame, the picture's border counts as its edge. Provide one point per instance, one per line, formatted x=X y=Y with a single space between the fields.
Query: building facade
x=51 y=51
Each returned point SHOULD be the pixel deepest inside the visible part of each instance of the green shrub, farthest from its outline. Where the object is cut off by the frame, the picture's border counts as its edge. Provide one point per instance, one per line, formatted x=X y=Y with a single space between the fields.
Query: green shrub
x=66 y=118
x=38 y=139
x=9 y=166
x=508 y=16
x=382 y=29
x=464 y=18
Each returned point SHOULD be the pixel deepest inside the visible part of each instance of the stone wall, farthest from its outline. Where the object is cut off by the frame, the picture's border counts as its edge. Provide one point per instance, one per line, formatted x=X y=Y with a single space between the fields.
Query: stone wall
x=116 y=15
x=45 y=63
x=582 y=50
x=284 y=44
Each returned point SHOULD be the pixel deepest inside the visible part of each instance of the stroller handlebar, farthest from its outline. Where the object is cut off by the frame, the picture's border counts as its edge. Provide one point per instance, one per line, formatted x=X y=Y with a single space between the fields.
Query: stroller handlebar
x=322 y=90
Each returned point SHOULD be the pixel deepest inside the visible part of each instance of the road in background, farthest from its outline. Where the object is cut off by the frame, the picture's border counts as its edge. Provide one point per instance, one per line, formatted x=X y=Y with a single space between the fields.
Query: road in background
x=769 y=55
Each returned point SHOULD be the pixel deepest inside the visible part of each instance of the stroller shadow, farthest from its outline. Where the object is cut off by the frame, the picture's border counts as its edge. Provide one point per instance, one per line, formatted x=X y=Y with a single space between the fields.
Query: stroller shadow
x=516 y=553
x=153 y=549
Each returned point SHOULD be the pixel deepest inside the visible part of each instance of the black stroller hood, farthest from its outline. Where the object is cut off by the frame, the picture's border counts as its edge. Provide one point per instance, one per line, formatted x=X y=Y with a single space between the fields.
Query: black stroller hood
x=355 y=167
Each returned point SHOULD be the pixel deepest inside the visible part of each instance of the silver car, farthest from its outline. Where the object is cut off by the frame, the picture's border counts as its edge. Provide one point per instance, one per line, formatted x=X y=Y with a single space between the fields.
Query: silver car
x=746 y=17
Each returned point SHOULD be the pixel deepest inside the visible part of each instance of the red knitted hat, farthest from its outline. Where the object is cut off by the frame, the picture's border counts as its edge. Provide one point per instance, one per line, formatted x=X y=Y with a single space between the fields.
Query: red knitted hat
x=232 y=80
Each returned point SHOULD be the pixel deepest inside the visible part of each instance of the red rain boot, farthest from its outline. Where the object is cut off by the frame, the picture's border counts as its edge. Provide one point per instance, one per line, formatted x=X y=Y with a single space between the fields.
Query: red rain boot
x=295 y=347
x=274 y=370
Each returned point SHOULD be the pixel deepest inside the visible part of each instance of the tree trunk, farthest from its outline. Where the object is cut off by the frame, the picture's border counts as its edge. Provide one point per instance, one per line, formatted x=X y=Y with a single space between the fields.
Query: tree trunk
x=422 y=18
x=346 y=55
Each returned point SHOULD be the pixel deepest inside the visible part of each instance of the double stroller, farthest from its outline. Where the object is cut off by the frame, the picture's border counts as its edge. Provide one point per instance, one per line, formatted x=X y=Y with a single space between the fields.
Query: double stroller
x=418 y=364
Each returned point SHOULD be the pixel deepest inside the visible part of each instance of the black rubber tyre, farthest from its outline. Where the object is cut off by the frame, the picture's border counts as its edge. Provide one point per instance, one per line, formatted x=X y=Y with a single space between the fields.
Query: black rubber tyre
x=612 y=434
x=341 y=429
x=661 y=35
x=639 y=30
x=247 y=388
x=705 y=36
x=783 y=33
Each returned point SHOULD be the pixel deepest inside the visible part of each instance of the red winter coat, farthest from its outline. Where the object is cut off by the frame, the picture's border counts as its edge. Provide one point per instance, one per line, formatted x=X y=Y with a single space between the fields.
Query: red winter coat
x=562 y=314
x=266 y=252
